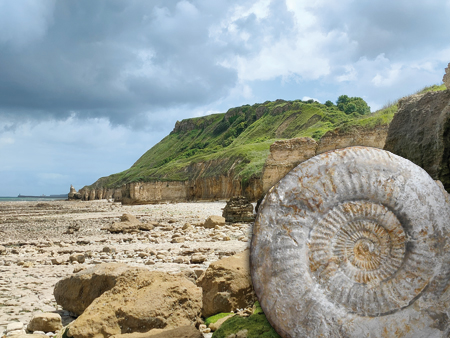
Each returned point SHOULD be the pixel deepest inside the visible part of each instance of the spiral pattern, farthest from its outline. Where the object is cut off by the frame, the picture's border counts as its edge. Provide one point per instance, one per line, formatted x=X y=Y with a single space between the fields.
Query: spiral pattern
x=358 y=242
x=349 y=242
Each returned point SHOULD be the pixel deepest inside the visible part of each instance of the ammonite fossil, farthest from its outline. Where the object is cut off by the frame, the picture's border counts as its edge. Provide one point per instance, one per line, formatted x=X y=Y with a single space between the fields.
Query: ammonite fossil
x=354 y=243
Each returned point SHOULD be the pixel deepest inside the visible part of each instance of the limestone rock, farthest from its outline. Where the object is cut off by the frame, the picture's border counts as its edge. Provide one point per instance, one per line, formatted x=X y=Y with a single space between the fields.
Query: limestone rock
x=140 y=301
x=238 y=209
x=446 y=78
x=179 y=332
x=73 y=194
x=420 y=131
x=214 y=220
x=356 y=136
x=285 y=155
x=2 y=250
x=76 y=292
x=227 y=285
x=47 y=322
x=128 y=224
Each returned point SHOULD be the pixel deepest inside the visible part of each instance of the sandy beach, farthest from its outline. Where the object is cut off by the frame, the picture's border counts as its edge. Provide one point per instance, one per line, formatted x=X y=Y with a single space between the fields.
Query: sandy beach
x=38 y=239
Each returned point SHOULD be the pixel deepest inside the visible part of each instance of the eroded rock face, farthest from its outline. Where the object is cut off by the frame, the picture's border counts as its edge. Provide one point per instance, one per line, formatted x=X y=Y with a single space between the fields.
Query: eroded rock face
x=354 y=243
x=238 y=209
x=227 y=285
x=141 y=300
x=76 y=292
x=420 y=132
x=446 y=78
x=73 y=194
x=355 y=137
x=285 y=155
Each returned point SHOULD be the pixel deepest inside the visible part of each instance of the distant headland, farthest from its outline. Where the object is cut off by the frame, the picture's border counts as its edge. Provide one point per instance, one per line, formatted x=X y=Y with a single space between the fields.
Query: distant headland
x=43 y=196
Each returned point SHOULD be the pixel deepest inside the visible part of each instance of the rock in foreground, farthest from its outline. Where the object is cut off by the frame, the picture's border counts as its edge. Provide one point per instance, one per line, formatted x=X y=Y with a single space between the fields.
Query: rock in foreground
x=140 y=301
x=420 y=133
x=227 y=285
x=76 y=292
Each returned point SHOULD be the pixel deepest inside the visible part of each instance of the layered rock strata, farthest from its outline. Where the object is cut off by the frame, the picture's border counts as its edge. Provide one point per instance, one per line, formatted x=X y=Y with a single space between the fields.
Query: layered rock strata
x=238 y=209
x=420 y=132
x=287 y=154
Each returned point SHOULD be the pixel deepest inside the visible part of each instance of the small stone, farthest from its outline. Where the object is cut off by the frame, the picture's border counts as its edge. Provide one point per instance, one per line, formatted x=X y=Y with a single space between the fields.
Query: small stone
x=109 y=249
x=178 y=240
x=198 y=258
x=2 y=250
x=27 y=265
x=212 y=221
x=57 y=261
x=77 y=257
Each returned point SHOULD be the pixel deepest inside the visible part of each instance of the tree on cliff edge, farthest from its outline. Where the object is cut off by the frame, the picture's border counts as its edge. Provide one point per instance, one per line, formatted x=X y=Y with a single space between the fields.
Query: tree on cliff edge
x=351 y=105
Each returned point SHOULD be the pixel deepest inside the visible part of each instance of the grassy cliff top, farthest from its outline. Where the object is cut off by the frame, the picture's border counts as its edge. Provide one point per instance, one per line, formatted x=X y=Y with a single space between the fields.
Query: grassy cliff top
x=238 y=141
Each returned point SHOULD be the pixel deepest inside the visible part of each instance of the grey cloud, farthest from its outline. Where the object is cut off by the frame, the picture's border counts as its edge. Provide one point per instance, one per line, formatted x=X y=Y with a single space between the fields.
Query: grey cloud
x=89 y=61
x=396 y=28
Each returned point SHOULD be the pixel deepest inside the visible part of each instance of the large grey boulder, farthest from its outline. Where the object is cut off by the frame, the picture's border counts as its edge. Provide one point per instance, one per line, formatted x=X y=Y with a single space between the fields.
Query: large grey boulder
x=420 y=132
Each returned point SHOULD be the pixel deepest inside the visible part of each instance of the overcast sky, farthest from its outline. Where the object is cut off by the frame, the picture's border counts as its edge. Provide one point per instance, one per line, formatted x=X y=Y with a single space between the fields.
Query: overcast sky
x=86 y=87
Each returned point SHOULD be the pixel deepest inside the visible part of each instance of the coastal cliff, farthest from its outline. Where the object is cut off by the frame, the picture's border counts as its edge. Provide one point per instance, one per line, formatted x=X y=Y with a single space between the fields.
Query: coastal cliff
x=241 y=152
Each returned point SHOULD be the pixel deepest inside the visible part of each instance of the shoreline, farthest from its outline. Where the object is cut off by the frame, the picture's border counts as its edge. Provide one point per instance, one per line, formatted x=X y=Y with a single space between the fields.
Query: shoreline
x=38 y=244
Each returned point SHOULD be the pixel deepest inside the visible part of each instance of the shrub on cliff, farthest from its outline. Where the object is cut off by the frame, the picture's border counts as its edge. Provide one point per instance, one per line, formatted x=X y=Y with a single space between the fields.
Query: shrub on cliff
x=351 y=105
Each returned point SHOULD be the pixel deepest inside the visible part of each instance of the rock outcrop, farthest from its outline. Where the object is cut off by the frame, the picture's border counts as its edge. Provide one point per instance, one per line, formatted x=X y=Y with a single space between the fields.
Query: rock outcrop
x=227 y=285
x=287 y=154
x=238 y=209
x=140 y=300
x=446 y=78
x=206 y=188
x=76 y=292
x=73 y=194
x=284 y=156
x=338 y=139
x=420 y=132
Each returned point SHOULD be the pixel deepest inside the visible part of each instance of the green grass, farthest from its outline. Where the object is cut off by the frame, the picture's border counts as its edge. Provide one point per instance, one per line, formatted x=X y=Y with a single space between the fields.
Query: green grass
x=241 y=139
x=216 y=317
x=257 y=326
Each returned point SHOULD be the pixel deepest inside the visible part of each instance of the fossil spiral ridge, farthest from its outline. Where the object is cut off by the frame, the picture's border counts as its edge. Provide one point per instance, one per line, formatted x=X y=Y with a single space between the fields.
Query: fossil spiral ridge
x=352 y=233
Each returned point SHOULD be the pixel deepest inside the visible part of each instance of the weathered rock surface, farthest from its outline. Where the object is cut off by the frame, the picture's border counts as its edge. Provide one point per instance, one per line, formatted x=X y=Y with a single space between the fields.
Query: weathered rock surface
x=354 y=137
x=420 y=132
x=207 y=188
x=285 y=155
x=238 y=209
x=140 y=301
x=179 y=332
x=73 y=194
x=227 y=285
x=446 y=78
x=214 y=220
x=129 y=224
x=46 y=322
x=76 y=292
